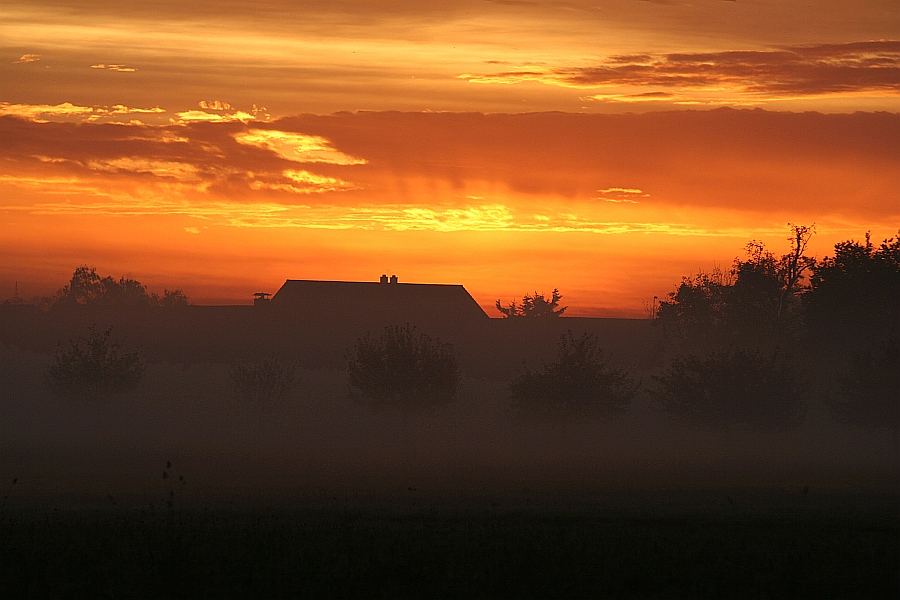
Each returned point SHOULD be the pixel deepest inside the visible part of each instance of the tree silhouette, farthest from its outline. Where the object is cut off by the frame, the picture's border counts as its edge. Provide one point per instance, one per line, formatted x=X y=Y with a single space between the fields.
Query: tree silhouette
x=743 y=389
x=171 y=299
x=87 y=288
x=534 y=306
x=264 y=383
x=402 y=369
x=857 y=288
x=94 y=368
x=580 y=382
x=695 y=312
x=869 y=393
x=756 y=303
x=793 y=265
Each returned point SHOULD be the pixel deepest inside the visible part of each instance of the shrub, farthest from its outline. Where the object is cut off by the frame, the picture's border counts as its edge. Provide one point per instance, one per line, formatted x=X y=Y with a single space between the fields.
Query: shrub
x=869 y=392
x=402 y=369
x=264 y=383
x=579 y=382
x=94 y=368
x=733 y=389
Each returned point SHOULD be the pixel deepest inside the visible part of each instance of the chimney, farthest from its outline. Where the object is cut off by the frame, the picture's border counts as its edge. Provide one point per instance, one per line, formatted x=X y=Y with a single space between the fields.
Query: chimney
x=393 y=279
x=261 y=298
x=383 y=279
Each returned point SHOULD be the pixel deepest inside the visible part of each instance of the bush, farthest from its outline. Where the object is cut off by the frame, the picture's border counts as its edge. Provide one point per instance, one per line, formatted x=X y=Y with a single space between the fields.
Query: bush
x=402 y=369
x=579 y=383
x=869 y=393
x=94 y=368
x=733 y=389
x=264 y=383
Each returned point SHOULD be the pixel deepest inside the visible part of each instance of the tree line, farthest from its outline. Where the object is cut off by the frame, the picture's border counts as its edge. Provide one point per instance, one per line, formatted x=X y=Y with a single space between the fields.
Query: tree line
x=781 y=301
x=754 y=344
x=745 y=348
x=88 y=288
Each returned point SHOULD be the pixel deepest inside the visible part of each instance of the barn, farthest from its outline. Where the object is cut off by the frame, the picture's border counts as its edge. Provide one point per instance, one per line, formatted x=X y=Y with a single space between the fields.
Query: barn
x=385 y=302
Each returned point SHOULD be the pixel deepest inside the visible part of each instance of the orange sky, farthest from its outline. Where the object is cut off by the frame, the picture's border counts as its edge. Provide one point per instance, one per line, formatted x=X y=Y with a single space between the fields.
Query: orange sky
x=604 y=148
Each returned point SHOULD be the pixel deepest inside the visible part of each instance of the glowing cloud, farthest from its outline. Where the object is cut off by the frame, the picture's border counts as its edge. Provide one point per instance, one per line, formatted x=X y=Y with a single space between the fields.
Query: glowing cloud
x=119 y=68
x=304 y=182
x=43 y=113
x=121 y=109
x=199 y=115
x=297 y=147
x=318 y=183
x=620 y=195
x=645 y=97
x=28 y=58
x=39 y=112
x=214 y=105
x=489 y=217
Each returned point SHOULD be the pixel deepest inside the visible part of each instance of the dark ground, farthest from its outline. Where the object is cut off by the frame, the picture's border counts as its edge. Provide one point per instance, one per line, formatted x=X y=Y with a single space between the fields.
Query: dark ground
x=321 y=497
x=734 y=544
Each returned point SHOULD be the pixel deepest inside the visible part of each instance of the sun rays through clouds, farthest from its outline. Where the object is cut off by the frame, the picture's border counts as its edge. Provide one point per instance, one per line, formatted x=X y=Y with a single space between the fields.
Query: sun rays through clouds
x=486 y=143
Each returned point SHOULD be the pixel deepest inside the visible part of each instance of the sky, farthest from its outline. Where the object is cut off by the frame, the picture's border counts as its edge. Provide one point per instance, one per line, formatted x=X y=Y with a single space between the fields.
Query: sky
x=603 y=148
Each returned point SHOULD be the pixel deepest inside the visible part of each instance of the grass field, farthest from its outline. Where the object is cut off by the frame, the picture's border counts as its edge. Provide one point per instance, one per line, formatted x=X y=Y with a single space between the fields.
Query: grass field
x=442 y=551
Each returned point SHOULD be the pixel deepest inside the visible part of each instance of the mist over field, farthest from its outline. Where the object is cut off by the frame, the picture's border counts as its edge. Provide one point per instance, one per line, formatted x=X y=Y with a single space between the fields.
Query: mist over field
x=318 y=443
x=741 y=441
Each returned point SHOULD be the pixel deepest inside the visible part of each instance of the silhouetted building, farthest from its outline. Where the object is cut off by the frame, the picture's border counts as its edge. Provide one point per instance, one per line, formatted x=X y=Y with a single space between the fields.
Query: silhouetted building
x=385 y=301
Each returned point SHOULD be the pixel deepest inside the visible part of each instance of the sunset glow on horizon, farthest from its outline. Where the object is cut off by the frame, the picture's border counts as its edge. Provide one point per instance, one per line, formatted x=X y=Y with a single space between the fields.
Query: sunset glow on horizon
x=605 y=149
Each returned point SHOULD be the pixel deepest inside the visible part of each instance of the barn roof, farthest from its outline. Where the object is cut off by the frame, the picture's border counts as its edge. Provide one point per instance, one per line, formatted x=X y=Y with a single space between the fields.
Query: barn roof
x=391 y=303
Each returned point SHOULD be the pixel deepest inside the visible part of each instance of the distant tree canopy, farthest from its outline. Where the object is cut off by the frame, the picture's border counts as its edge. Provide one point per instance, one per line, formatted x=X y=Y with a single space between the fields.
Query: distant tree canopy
x=265 y=383
x=741 y=389
x=857 y=287
x=533 y=306
x=840 y=317
x=87 y=288
x=756 y=301
x=94 y=368
x=403 y=369
x=579 y=383
x=869 y=393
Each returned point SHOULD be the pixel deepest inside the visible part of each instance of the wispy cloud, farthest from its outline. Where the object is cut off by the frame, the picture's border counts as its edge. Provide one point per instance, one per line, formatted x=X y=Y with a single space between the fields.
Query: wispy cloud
x=43 y=113
x=160 y=168
x=39 y=112
x=193 y=161
x=28 y=58
x=214 y=105
x=190 y=116
x=118 y=68
x=297 y=147
x=619 y=195
x=55 y=185
x=495 y=217
x=304 y=182
x=602 y=168
x=217 y=111
x=871 y=67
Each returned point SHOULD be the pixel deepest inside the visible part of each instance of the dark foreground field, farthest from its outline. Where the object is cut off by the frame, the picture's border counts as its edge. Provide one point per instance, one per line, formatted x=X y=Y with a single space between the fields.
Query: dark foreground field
x=626 y=545
x=322 y=497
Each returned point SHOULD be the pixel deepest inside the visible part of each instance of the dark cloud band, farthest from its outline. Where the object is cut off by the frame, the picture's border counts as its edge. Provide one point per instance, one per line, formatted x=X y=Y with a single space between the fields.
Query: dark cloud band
x=872 y=66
